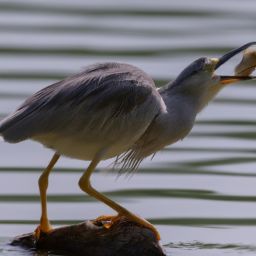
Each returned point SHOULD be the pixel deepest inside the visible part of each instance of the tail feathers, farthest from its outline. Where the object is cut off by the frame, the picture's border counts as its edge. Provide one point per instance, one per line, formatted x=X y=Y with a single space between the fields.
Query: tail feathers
x=10 y=128
x=22 y=124
x=1 y=135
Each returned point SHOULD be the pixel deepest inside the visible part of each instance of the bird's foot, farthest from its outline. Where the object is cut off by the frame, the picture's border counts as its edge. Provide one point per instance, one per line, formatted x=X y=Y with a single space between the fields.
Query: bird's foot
x=142 y=222
x=106 y=220
x=42 y=229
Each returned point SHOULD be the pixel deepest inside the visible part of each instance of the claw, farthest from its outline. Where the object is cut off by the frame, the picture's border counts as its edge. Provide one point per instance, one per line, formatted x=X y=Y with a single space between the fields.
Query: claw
x=107 y=222
x=142 y=222
x=39 y=231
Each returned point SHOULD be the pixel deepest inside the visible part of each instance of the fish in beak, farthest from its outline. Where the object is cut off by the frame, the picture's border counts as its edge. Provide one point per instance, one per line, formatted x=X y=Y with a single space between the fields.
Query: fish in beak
x=248 y=62
x=243 y=69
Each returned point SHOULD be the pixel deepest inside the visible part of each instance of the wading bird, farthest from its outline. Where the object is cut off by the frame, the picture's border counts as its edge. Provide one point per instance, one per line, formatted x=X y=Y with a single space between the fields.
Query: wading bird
x=114 y=109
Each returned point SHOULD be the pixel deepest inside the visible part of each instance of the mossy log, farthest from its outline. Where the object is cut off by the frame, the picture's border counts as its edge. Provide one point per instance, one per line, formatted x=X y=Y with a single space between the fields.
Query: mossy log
x=91 y=238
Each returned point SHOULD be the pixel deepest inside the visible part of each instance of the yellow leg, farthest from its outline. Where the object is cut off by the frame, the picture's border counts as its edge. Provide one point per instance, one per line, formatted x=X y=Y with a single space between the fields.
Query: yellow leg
x=45 y=225
x=85 y=185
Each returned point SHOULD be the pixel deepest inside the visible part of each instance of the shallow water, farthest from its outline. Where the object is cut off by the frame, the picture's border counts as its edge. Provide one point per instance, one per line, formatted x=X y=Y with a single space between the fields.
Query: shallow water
x=200 y=192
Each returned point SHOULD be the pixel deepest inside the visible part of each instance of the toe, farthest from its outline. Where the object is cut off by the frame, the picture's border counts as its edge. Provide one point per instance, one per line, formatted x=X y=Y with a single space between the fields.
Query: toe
x=42 y=230
x=106 y=220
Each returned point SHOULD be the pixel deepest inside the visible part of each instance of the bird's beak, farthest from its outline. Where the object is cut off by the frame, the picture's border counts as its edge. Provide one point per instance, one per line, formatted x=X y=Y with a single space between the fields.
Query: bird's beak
x=219 y=62
x=232 y=53
x=233 y=79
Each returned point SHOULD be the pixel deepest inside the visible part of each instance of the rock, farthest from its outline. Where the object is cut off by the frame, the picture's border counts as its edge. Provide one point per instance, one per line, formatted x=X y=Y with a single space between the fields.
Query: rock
x=90 y=238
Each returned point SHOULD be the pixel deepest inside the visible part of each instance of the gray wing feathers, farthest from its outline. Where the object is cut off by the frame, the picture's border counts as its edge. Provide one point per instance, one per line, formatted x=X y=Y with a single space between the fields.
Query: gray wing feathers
x=112 y=89
x=15 y=127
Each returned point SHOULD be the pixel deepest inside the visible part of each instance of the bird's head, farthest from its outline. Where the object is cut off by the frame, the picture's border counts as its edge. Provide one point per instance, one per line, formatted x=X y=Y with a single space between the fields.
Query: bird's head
x=200 y=81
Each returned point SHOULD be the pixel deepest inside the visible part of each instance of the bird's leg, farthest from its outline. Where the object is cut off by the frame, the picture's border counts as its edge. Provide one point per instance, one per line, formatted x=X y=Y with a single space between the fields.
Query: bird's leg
x=85 y=185
x=45 y=225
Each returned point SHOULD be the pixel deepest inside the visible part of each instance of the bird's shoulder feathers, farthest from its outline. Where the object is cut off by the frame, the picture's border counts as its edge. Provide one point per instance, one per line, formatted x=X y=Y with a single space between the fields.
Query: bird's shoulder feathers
x=110 y=89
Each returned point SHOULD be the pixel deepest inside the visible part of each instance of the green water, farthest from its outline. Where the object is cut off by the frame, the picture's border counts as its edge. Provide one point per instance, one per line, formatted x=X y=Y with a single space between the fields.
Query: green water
x=200 y=192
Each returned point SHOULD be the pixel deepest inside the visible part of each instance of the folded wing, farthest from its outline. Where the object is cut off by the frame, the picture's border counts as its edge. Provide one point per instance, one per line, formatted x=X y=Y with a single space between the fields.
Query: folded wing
x=88 y=101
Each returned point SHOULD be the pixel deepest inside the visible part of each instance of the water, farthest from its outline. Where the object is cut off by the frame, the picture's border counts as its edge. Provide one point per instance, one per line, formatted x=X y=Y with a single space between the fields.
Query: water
x=200 y=192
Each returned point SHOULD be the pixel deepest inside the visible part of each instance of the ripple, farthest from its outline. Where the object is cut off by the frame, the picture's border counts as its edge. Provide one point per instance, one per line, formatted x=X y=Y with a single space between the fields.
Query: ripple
x=202 y=246
x=201 y=189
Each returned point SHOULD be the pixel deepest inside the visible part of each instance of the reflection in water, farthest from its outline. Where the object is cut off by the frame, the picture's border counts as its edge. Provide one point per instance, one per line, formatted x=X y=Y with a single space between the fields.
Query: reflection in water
x=200 y=246
x=203 y=188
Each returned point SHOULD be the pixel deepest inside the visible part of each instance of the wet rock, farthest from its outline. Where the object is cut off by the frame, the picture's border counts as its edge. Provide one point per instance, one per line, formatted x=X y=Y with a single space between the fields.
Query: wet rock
x=123 y=238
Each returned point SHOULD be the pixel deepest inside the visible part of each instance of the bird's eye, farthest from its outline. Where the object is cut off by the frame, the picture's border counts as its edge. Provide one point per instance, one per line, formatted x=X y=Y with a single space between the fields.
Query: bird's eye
x=197 y=66
x=191 y=70
x=200 y=65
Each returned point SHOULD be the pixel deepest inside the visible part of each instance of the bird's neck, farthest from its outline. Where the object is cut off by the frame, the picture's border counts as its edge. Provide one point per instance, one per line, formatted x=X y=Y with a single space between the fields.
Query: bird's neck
x=196 y=100
x=182 y=108
x=176 y=99
x=179 y=116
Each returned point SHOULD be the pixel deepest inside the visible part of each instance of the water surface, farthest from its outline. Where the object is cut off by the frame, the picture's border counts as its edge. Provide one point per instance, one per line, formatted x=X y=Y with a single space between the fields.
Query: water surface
x=200 y=192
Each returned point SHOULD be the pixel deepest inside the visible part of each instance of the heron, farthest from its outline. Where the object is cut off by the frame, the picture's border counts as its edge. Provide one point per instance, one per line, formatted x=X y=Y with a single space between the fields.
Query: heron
x=114 y=110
